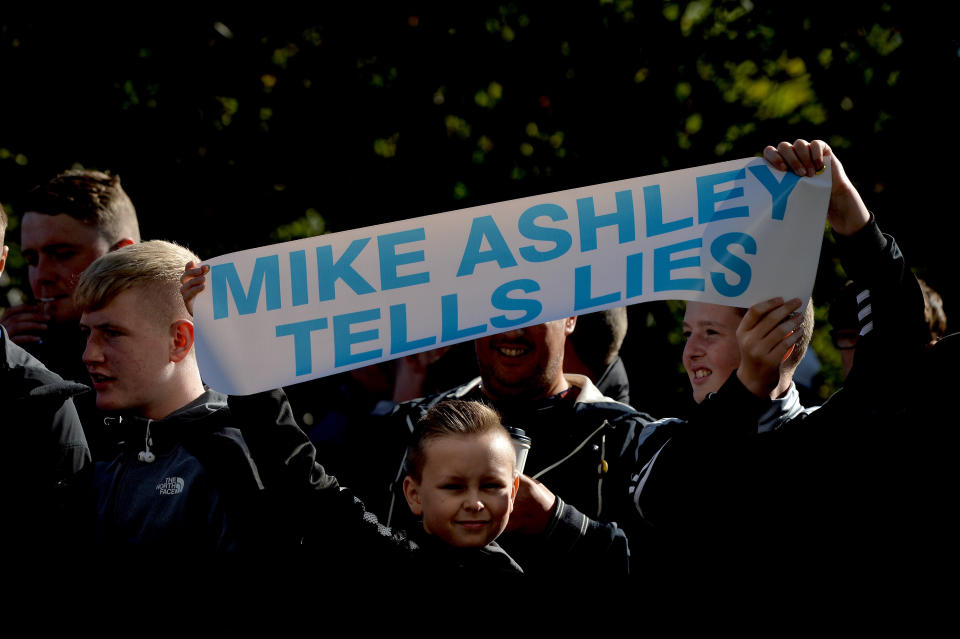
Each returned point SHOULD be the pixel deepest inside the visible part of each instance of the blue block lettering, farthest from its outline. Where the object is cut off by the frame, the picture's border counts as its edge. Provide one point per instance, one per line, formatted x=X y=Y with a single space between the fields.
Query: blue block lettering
x=499 y=252
x=719 y=249
x=266 y=274
x=779 y=191
x=634 y=275
x=582 y=295
x=528 y=228
x=328 y=271
x=622 y=218
x=450 y=321
x=653 y=207
x=502 y=301
x=344 y=338
x=390 y=259
x=298 y=277
x=398 y=332
x=303 y=356
x=663 y=264
x=708 y=197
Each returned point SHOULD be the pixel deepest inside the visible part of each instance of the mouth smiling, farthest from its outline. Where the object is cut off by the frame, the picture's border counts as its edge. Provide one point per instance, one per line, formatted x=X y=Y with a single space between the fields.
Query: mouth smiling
x=512 y=351
x=701 y=373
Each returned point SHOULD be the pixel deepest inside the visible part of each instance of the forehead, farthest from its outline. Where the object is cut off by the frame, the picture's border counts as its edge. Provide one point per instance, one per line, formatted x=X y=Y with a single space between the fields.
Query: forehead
x=39 y=230
x=127 y=307
x=717 y=314
x=469 y=454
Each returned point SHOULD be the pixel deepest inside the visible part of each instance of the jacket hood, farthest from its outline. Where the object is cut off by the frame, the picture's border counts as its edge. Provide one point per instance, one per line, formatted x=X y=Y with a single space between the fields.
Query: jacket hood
x=208 y=411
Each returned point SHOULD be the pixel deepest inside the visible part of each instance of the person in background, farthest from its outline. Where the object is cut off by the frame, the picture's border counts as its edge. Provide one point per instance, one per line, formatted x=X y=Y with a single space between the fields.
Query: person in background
x=594 y=350
x=69 y=221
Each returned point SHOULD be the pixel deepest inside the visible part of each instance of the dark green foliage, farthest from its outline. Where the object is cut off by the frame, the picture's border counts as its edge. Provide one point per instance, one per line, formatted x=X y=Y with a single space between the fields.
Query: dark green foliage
x=236 y=132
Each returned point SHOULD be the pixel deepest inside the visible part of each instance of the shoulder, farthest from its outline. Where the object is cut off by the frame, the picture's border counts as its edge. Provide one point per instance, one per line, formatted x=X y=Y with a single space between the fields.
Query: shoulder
x=590 y=401
x=420 y=405
x=27 y=375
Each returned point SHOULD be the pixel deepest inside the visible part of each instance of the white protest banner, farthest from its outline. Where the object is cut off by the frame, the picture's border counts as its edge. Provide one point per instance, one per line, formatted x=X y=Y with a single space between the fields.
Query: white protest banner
x=733 y=233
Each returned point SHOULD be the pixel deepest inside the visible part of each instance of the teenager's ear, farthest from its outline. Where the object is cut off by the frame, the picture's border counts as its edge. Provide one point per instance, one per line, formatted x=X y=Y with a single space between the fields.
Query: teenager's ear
x=182 y=333
x=516 y=486
x=411 y=490
x=569 y=325
x=3 y=258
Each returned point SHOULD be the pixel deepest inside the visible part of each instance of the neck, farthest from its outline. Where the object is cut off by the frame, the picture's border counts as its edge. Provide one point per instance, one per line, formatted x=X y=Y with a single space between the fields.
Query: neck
x=179 y=392
x=558 y=386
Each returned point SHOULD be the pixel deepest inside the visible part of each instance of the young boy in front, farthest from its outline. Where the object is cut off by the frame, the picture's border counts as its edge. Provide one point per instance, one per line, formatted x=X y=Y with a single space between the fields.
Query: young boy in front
x=462 y=480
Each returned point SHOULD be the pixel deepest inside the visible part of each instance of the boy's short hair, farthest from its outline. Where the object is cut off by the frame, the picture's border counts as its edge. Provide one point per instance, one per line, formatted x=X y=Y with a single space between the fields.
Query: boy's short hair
x=92 y=197
x=449 y=417
x=156 y=264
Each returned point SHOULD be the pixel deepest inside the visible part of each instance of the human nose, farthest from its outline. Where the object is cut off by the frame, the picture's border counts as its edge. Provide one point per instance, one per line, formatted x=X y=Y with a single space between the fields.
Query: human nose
x=693 y=348
x=42 y=272
x=92 y=353
x=472 y=502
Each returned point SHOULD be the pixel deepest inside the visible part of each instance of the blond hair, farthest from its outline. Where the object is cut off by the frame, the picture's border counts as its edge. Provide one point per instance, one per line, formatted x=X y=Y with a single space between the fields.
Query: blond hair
x=155 y=266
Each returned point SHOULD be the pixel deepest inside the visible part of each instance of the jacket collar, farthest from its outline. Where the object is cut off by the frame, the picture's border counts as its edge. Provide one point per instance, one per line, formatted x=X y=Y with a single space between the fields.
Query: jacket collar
x=169 y=430
x=589 y=394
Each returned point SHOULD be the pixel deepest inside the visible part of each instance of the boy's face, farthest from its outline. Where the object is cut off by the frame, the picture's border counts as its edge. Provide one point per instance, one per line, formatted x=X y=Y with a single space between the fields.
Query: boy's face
x=466 y=490
x=711 y=353
x=128 y=354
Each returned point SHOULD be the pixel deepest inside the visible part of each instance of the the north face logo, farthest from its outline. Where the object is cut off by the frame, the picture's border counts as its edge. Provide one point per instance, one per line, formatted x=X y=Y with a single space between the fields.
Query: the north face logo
x=170 y=486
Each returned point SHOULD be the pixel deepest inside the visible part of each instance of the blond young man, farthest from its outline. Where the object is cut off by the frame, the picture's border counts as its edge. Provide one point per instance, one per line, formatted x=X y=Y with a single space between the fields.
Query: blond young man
x=184 y=479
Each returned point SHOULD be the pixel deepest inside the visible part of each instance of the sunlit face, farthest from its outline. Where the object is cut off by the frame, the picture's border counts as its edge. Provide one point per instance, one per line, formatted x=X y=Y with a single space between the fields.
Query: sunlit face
x=711 y=353
x=57 y=249
x=466 y=489
x=128 y=356
x=526 y=362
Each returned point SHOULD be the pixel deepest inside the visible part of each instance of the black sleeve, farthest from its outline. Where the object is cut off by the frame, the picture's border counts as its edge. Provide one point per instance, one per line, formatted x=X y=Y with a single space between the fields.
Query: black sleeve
x=318 y=514
x=890 y=304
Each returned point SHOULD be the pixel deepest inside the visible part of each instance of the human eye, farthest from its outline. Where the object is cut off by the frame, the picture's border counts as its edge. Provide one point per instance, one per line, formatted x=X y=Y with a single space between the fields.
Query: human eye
x=63 y=254
x=111 y=331
x=452 y=486
x=30 y=257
